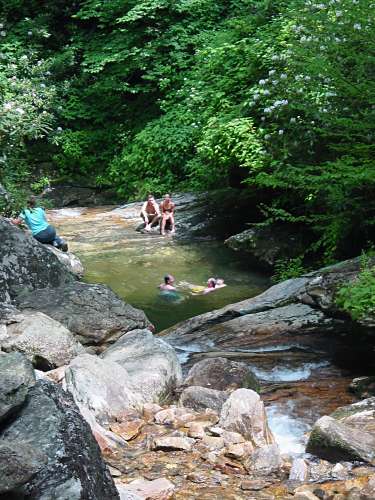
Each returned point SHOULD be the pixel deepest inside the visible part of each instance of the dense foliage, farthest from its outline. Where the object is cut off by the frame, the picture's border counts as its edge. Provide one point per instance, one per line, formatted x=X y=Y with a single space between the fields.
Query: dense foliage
x=277 y=97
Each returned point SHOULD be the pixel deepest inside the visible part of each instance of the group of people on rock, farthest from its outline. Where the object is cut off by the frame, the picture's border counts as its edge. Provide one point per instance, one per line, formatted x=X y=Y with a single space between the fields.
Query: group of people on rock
x=153 y=214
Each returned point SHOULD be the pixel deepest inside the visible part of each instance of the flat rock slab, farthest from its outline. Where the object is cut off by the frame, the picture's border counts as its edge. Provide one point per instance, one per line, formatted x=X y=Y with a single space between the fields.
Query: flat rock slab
x=128 y=430
x=173 y=443
x=95 y=314
x=159 y=489
x=16 y=377
x=51 y=423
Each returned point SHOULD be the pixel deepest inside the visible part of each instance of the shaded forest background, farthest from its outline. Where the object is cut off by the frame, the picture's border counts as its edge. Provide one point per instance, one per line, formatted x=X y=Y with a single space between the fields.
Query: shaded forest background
x=275 y=98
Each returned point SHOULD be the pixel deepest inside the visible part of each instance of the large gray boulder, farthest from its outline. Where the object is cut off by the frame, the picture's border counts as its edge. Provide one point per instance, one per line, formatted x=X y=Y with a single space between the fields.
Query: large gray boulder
x=50 y=422
x=336 y=441
x=93 y=313
x=200 y=398
x=221 y=374
x=47 y=343
x=243 y=412
x=70 y=261
x=151 y=363
x=102 y=386
x=18 y=464
x=25 y=264
x=16 y=378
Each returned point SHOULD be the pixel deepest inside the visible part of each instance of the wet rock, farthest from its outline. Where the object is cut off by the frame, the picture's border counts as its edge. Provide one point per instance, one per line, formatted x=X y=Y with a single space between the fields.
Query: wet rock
x=151 y=363
x=299 y=470
x=70 y=261
x=221 y=374
x=200 y=398
x=78 y=196
x=267 y=244
x=25 y=264
x=254 y=485
x=173 y=443
x=18 y=464
x=102 y=386
x=243 y=412
x=159 y=489
x=128 y=430
x=47 y=343
x=363 y=387
x=264 y=460
x=335 y=441
x=51 y=423
x=93 y=313
x=16 y=378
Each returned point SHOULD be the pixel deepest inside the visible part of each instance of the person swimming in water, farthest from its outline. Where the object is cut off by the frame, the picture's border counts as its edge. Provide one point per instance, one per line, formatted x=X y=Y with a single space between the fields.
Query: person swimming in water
x=168 y=283
x=213 y=284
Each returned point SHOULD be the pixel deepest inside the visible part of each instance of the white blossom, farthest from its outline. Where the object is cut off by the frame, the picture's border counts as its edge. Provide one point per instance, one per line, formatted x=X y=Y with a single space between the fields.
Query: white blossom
x=281 y=131
x=3 y=33
x=30 y=33
x=357 y=26
x=293 y=120
x=266 y=92
x=272 y=72
x=283 y=76
x=267 y=137
x=262 y=82
x=20 y=111
x=1 y=26
x=59 y=129
x=338 y=13
x=8 y=106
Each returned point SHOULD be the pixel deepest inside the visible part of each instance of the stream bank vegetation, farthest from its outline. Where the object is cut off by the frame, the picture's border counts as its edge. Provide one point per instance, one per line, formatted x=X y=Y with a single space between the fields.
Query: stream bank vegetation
x=273 y=97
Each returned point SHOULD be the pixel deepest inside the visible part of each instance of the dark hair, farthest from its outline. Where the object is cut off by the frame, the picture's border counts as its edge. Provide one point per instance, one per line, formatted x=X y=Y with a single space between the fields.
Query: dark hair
x=31 y=202
x=213 y=282
x=167 y=279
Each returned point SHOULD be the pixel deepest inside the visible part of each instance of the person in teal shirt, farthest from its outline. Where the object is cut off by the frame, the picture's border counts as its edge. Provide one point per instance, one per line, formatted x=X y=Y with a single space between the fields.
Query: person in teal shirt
x=35 y=219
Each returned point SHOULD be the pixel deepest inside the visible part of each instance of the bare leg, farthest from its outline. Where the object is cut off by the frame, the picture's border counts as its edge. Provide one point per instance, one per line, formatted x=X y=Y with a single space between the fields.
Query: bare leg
x=155 y=219
x=171 y=218
x=163 y=222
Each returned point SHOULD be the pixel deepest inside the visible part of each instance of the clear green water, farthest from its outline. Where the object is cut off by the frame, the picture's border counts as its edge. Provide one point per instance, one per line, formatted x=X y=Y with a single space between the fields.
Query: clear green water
x=134 y=275
x=133 y=265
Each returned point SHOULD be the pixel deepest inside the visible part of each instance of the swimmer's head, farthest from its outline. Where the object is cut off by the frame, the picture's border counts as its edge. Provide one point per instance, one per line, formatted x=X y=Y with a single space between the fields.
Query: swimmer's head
x=219 y=281
x=211 y=283
x=168 y=279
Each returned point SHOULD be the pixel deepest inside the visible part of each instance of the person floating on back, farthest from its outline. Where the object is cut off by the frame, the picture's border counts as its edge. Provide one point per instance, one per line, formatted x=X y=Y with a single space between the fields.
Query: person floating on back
x=167 y=213
x=150 y=213
x=35 y=219
x=212 y=285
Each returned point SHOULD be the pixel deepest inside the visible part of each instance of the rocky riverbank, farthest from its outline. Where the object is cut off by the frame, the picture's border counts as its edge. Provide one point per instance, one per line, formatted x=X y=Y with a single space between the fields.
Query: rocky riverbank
x=74 y=356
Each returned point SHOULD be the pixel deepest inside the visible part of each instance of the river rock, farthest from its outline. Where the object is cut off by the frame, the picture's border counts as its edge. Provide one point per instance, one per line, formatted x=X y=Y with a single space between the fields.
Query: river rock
x=25 y=264
x=335 y=441
x=151 y=363
x=243 y=412
x=299 y=470
x=93 y=313
x=16 y=378
x=200 y=398
x=239 y=451
x=363 y=387
x=65 y=195
x=18 y=464
x=102 y=386
x=47 y=343
x=173 y=443
x=51 y=423
x=70 y=261
x=267 y=244
x=158 y=489
x=359 y=415
x=221 y=374
x=264 y=461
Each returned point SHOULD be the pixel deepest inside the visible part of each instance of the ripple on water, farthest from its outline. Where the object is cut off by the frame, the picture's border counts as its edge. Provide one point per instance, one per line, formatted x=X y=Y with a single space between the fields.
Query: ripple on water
x=288 y=374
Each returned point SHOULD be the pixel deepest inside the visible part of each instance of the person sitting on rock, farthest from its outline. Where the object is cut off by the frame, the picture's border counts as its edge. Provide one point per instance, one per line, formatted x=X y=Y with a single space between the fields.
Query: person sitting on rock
x=167 y=212
x=35 y=219
x=168 y=283
x=150 y=212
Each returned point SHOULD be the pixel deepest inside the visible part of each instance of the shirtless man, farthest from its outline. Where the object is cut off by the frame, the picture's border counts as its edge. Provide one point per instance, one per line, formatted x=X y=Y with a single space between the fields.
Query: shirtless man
x=168 y=283
x=150 y=212
x=167 y=213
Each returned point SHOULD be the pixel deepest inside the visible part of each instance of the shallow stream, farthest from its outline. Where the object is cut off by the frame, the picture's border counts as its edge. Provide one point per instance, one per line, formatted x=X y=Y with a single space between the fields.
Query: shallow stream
x=297 y=388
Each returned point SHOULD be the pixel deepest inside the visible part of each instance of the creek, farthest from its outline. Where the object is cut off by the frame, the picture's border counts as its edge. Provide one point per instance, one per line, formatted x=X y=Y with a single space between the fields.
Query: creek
x=298 y=385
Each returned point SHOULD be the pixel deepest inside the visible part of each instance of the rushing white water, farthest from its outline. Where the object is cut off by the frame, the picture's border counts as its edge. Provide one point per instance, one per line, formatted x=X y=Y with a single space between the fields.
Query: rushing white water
x=184 y=351
x=62 y=213
x=287 y=374
x=289 y=432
